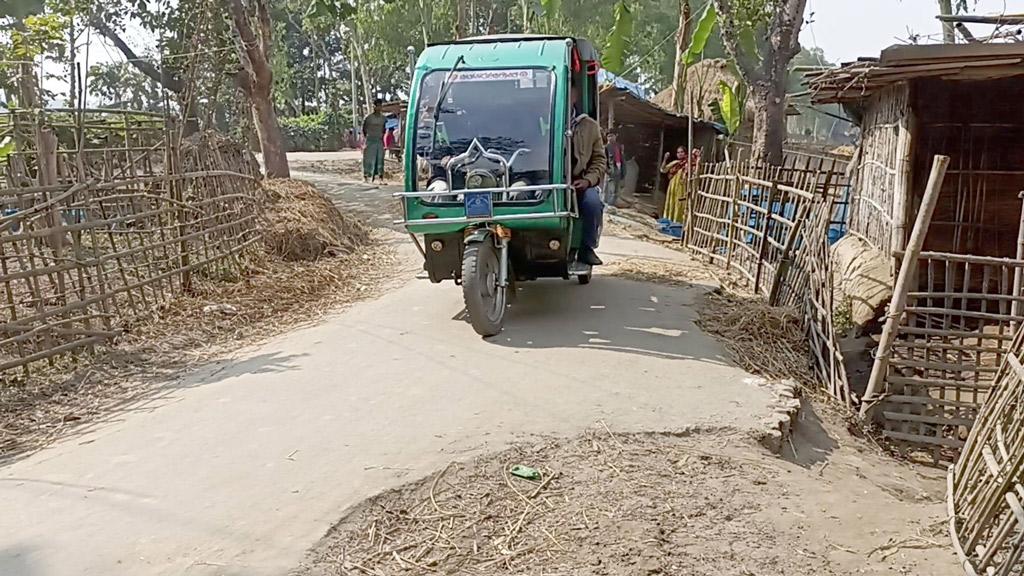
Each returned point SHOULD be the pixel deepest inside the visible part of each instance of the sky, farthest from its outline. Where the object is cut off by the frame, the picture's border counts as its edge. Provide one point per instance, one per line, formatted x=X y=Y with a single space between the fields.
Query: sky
x=848 y=29
x=844 y=29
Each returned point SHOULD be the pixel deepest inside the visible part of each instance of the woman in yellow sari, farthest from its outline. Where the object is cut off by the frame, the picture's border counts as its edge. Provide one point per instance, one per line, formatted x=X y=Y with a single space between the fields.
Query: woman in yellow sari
x=677 y=170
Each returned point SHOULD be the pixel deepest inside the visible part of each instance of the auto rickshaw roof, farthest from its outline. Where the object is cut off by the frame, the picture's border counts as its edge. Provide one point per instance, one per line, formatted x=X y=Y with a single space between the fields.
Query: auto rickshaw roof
x=504 y=50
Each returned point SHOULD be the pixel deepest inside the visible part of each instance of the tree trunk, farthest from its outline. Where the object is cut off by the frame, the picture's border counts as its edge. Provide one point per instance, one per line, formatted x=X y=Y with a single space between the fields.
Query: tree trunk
x=765 y=76
x=275 y=156
x=948 y=31
x=682 y=43
x=72 y=66
x=460 y=18
x=769 y=122
x=257 y=82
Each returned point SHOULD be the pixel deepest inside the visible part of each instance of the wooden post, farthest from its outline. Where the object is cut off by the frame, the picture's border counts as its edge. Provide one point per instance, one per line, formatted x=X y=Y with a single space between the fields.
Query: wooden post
x=901 y=189
x=1017 y=278
x=734 y=209
x=661 y=161
x=903 y=281
x=762 y=252
x=785 y=262
x=611 y=114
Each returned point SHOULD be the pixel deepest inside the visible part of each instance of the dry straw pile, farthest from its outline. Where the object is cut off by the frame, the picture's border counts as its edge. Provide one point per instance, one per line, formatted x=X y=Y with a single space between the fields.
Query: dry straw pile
x=303 y=224
x=764 y=340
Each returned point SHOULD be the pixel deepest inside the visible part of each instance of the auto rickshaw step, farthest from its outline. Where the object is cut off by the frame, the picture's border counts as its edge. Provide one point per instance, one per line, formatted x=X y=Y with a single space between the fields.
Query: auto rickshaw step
x=577 y=268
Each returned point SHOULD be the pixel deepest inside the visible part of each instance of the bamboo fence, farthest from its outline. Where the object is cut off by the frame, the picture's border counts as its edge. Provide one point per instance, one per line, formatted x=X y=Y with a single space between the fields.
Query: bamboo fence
x=952 y=340
x=99 y=226
x=986 y=486
x=771 y=226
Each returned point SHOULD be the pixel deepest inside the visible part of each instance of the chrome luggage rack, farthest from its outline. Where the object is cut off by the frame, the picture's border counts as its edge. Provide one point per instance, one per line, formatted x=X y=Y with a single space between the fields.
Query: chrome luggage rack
x=570 y=201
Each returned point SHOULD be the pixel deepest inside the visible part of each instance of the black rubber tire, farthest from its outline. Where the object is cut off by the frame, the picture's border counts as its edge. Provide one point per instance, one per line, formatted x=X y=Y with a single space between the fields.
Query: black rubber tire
x=485 y=301
x=583 y=279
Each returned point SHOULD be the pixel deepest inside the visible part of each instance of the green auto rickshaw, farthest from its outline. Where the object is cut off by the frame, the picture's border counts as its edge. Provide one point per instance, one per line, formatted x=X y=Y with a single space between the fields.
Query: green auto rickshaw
x=487 y=164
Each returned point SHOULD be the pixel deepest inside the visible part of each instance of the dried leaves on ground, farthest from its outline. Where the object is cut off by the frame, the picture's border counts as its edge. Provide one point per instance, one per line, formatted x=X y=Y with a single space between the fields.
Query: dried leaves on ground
x=616 y=505
x=302 y=223
x=350 y=169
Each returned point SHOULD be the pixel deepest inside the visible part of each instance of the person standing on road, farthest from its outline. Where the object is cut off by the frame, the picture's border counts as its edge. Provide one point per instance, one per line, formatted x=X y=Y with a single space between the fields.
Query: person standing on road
x=589 y=164
x=373 y=149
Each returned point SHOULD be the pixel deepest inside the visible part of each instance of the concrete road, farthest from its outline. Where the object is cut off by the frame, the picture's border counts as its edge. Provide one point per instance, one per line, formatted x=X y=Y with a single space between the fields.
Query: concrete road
x=239 y=468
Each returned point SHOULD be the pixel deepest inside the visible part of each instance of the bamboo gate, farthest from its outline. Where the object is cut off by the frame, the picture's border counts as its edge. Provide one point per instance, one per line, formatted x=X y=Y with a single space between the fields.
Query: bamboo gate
x=106 y=215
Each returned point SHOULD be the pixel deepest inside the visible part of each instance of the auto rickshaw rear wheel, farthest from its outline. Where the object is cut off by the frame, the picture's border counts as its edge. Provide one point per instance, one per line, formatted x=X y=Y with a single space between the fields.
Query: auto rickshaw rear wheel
x=485 y=299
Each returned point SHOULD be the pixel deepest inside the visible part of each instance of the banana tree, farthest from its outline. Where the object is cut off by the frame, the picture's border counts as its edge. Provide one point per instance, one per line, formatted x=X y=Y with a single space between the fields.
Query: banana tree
x=730 y=106
x=616 y=49
x=695 y=44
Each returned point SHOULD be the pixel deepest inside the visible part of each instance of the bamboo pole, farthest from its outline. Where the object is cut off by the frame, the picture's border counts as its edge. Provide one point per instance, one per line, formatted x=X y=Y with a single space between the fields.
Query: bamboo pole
x=785 y=261
x=902 y=287
x=765 y=235
x=901 y=188
x=661 y=162
x=1017 y=277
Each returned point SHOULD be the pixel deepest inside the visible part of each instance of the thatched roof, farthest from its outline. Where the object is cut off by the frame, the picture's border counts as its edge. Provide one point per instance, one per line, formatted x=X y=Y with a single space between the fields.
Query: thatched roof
x=702 y=85
x=702 y=81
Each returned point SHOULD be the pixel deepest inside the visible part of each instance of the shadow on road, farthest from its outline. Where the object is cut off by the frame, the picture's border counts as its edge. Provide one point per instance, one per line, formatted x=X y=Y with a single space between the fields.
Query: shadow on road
x=14 y=562
x=610 y=314
x=148 y=399
x=811 y=442
x=268 y=363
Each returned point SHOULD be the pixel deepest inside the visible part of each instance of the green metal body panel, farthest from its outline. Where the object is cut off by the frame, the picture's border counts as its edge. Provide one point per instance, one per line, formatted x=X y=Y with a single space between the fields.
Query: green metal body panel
x=552 y=54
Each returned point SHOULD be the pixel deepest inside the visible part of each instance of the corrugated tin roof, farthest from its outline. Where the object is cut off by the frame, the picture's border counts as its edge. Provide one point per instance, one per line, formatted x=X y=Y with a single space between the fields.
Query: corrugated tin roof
x=858 y=80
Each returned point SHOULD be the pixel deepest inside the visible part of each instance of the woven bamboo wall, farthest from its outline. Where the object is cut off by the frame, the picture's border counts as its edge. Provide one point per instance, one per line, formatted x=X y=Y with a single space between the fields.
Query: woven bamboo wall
x=98 y=227
x=877 y=191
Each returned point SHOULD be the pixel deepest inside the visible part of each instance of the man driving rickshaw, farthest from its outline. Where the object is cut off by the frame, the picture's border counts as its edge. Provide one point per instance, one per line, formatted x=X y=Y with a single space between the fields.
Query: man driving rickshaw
x=503 y=166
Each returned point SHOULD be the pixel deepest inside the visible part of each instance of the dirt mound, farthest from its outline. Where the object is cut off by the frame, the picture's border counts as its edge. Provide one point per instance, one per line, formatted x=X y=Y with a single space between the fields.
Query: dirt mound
x=641 y=505
x=303 y=224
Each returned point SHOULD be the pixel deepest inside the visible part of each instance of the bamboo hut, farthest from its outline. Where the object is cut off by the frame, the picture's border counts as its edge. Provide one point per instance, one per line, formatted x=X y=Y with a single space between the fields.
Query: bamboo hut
x=912 y=103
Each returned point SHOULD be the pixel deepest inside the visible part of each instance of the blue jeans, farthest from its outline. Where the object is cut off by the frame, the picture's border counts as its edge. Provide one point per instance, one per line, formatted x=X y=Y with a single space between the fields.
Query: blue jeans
x=592 y=214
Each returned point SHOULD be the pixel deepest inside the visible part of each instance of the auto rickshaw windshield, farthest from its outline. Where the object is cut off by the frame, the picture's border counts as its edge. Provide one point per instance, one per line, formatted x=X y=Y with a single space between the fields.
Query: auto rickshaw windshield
x=505 y=110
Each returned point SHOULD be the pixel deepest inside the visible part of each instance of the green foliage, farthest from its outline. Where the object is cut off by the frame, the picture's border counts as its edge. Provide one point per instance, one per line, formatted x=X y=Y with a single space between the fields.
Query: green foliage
x=6 y=147
x=120 y=85
x=550 y=8
x=701 y=33
x=731 y=105
x=619 y=40
x=20 y=9
x=321 y=12
x=38 y=34
x=313 y=132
